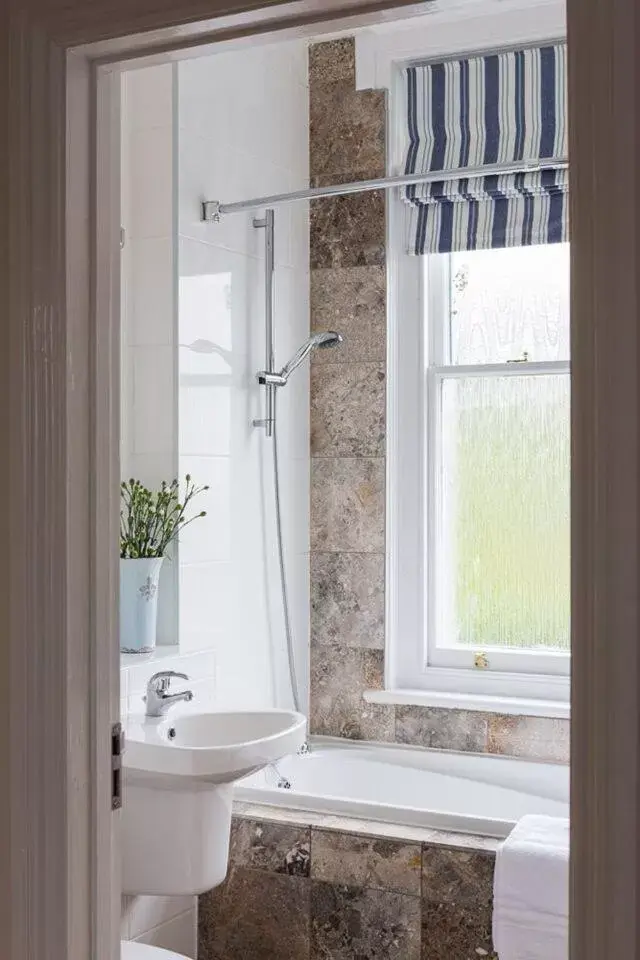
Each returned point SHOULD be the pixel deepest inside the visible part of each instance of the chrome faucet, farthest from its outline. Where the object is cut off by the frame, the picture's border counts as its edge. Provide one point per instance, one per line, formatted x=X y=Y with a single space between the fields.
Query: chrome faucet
x=158 y=698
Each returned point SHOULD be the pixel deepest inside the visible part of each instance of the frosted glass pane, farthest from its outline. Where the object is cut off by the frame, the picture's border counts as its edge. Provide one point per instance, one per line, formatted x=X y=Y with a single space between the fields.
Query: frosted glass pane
x=505 y=303
x=503 y=562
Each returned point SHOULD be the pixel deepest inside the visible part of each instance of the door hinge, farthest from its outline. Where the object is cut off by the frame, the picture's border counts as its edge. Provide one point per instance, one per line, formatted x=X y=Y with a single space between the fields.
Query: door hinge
x=117 y=749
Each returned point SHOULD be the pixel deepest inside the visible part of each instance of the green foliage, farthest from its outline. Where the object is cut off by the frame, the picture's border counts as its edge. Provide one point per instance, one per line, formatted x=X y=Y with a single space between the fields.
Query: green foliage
x=511 y=523
x=151 y=520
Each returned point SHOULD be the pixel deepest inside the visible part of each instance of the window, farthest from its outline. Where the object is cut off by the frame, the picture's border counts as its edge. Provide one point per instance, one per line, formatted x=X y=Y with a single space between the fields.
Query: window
x=478 y=383
x=480 y=593
x=497 y=416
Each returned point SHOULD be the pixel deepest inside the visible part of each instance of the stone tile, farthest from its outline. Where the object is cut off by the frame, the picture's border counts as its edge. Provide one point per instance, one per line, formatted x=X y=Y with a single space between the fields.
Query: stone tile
x=252 y=917
x=353 y=302
x=338 y=679
x=342 y=858
x=347 y=131
x=348 y=410
x=347 y=599
x=239 y=842
x=276 y=847
x=457 y=876
x=452 y=932
x=348 y=231
x=537 y=738
x=347 y=505
x=442 y=729
x=331 y=61
x=348 y=923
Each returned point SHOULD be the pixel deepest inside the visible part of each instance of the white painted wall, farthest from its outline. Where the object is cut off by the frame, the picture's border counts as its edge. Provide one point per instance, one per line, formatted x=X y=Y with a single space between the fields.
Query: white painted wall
x=243 y=132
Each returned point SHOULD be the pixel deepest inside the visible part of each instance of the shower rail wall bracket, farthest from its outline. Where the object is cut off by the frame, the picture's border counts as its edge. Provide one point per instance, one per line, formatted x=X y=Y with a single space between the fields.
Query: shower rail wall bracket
x=211 y=211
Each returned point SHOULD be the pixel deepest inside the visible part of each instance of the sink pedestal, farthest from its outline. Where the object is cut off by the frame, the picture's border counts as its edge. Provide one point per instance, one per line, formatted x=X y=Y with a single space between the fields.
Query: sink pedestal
x=175 y=839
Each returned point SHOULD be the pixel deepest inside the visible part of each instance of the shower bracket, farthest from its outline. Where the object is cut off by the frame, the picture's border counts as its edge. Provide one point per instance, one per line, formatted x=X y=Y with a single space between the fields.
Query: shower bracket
x=211 y=211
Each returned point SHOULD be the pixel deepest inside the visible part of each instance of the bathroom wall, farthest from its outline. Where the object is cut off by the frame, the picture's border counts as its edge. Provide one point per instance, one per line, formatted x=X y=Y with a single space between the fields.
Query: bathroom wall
x=148 y=448
x=186 y=139
x=243 y=126
x=167 y=922
x=301 y=892
x=348 y=293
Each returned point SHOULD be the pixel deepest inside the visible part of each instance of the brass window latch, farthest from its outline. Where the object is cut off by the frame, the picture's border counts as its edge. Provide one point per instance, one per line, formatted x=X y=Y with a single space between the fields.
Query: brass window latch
x=480 y=661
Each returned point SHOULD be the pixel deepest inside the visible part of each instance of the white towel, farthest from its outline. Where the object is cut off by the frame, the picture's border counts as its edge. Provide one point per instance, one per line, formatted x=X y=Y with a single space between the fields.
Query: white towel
x=531 y=891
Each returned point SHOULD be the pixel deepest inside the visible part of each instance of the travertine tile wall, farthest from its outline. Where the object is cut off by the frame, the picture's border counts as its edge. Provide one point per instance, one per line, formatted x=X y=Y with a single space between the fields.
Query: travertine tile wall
x=304 y=893
x=348 y=293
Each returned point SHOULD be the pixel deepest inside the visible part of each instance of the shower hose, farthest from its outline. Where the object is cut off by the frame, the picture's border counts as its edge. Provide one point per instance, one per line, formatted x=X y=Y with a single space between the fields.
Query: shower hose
x=295 y=691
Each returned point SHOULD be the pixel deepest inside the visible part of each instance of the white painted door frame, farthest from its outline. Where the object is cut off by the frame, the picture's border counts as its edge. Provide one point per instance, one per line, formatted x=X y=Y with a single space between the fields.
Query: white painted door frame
x=59 y=429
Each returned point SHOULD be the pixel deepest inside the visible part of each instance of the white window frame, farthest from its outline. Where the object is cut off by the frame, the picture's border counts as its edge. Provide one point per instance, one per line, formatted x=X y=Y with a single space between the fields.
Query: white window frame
x=505 y=688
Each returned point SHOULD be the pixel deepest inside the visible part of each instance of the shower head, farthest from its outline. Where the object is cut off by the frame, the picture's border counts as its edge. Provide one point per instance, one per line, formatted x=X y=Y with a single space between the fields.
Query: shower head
x=320 y=341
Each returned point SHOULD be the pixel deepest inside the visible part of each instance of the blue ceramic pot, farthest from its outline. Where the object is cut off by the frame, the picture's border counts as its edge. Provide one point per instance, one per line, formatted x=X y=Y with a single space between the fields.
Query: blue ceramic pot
x=139 y=581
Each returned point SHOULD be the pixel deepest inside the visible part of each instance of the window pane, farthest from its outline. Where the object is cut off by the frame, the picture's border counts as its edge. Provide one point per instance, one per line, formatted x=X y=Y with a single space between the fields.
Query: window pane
x=503 y=561
x=505 y=303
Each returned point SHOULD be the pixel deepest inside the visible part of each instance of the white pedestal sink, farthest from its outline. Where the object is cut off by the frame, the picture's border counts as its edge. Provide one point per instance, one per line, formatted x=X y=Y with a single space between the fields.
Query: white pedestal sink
x=178 y=790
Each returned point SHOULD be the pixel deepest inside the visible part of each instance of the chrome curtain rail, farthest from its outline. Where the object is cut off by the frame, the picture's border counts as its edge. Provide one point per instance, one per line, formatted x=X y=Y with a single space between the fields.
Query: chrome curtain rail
x=212 y=210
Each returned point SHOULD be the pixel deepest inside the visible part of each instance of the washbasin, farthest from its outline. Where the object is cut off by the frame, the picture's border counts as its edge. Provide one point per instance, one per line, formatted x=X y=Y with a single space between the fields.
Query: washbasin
x=215 y=746
x=179 y=772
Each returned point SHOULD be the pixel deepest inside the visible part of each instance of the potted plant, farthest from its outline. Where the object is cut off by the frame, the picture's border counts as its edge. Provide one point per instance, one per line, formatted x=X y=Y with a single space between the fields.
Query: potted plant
x=149 y=522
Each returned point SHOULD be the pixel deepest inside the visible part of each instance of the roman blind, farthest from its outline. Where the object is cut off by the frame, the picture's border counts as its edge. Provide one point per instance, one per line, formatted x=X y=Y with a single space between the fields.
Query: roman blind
x=507 y=107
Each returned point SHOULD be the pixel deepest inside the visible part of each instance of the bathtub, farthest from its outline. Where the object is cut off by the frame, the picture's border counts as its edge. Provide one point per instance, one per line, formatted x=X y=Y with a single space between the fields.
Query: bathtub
x=412 y=787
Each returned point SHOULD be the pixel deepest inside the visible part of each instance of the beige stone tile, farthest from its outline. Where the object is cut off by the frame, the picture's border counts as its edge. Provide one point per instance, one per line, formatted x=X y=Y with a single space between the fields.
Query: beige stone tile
x=348 y=410
x=537 y=738
x=347 y=131
x=366 y=862
x=347 y=505
x=331 y=61
x=442 y=729
x=252 y=916
x=274 y=847
x=338 y=679
x=347 y=599
x=451 y=931
x=348 y=231
x=457 y=876
x=353 y=302
x=349 y=923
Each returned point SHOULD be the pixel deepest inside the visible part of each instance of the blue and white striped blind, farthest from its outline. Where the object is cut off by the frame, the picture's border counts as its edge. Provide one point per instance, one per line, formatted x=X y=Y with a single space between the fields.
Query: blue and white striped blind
x=503 y=108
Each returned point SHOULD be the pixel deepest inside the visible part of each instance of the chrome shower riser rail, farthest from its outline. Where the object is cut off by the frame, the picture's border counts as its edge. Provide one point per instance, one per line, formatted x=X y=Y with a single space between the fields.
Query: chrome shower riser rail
x=213 y=210
x=268 y=225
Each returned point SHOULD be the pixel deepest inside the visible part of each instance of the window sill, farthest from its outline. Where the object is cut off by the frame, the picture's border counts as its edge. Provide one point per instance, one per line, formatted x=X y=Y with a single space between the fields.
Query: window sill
x=513 y=706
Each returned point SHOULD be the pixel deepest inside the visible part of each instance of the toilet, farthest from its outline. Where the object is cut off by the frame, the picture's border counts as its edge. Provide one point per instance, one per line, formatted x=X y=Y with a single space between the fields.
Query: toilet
x=130 y=950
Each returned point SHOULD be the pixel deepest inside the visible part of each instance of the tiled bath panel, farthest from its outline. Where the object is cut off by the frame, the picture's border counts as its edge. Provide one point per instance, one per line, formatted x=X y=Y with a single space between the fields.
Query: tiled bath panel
x=308 y=893
x=348 y=432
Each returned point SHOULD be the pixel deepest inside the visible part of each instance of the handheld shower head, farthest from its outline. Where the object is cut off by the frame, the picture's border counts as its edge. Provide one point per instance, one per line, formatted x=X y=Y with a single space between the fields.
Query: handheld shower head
x=320 y=341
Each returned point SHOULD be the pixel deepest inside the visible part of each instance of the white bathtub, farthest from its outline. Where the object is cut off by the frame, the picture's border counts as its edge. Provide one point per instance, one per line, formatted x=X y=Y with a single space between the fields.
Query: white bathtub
x=462 y=793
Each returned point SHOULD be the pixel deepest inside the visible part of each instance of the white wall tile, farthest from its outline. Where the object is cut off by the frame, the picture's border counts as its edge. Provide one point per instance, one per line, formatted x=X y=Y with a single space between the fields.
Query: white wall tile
x=209 y=537
x=154 y=392
x=151 y=294
x=198 y=666
x=148 y=417
x=257 y=147
x=178 y=934
x=150 y=96
x=145 y=913
x=151 y=173
x=207 y=597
